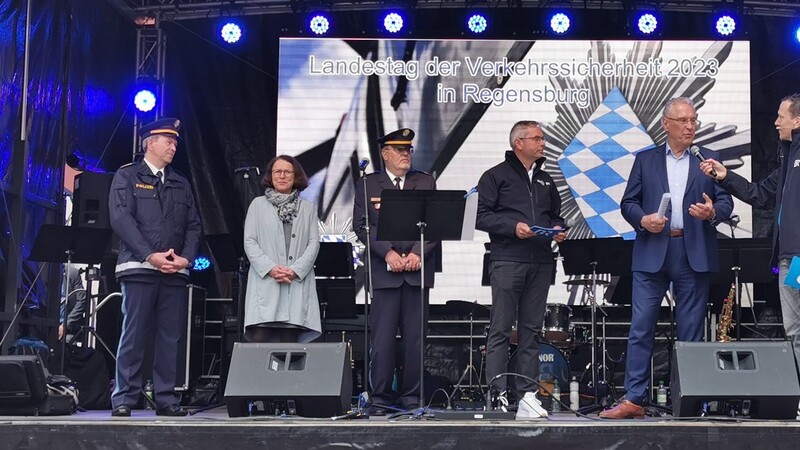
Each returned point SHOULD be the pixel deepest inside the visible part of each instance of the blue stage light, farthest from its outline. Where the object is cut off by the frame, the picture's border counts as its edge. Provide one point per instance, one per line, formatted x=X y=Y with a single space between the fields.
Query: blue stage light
x=477 y=23
x=231 y=32
x=144 y=100
x=559 y=22
x=393 y=22
x=726 y=25
x=319 y=24
x=647 y=23
x=201 y=263
x=797 y=34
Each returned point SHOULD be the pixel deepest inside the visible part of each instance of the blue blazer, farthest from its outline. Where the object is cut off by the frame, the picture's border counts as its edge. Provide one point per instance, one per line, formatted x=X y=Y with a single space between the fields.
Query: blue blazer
x=646 y=184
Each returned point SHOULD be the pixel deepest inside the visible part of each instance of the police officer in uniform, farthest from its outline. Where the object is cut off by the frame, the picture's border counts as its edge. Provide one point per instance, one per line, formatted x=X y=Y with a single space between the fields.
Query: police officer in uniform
x=395 y=276
x=153 y=212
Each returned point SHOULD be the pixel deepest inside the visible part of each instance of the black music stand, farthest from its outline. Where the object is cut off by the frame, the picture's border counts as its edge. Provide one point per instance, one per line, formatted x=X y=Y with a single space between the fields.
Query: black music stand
x=420 y=215
x=590 y=257
x=336 y=285
x=66 y=244
x=749 y=260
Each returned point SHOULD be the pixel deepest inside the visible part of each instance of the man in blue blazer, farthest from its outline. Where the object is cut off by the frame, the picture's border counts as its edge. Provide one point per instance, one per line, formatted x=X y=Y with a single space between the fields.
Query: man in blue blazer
x=678 y=248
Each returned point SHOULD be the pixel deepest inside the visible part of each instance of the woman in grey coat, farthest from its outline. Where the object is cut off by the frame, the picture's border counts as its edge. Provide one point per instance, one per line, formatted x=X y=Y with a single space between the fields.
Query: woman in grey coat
x=281 y=239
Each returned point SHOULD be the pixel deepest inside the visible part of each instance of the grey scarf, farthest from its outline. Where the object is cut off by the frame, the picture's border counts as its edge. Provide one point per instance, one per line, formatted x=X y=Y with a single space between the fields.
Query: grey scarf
x=287 y=204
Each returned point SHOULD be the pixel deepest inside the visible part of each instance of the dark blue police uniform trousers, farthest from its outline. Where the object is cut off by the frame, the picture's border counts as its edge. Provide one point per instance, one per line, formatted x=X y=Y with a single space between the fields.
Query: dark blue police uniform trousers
x=158 y=305
x=391 y=308
x=691 y=295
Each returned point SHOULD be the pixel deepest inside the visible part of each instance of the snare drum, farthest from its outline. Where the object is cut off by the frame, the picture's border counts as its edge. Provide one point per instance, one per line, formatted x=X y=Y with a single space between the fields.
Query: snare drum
x=556 y=323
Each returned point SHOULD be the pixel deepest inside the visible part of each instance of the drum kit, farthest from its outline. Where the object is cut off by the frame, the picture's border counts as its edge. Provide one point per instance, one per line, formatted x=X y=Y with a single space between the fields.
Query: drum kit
x=559 y=338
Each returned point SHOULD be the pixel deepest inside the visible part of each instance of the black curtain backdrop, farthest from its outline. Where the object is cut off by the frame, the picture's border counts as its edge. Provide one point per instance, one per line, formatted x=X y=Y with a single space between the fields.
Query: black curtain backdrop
x=80 y=70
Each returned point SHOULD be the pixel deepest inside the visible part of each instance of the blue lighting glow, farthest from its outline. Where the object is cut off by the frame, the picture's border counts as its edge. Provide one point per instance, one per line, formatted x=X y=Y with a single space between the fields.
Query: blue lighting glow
x=797 y=34
x=393 y=22
x=477 y=23
x=647 y=23
x=559 y=23
x=231 y=32
x=726 y=25
x=319 y=24
x=145 y=100
x=201 y=263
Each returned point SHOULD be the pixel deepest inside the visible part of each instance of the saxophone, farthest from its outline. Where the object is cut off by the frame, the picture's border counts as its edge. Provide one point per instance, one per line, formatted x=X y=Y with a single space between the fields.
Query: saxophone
x=725 y=317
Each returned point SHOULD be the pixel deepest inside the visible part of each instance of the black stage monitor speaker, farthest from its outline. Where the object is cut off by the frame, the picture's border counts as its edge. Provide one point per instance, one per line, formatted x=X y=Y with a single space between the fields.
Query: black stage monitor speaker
x=756 y=379
x=308 y=380
x=23 y=385
x=90 y=202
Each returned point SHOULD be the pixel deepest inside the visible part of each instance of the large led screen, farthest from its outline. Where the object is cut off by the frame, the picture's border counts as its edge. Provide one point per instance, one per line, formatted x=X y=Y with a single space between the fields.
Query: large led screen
x=600 y=102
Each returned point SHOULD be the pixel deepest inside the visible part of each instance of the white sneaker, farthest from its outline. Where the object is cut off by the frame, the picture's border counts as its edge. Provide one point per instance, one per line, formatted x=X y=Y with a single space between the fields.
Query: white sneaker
x=530 y=407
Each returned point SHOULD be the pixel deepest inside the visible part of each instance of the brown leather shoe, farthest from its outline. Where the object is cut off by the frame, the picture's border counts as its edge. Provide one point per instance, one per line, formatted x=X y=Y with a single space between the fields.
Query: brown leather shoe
x=625 y=409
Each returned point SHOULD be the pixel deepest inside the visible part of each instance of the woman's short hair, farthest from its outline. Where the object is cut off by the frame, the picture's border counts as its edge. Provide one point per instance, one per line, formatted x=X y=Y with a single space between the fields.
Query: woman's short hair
x=300 y=178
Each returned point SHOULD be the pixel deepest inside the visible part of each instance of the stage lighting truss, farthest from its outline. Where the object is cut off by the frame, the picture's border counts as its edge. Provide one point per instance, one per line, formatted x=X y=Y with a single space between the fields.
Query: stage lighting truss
x=393 y=22
x=231 y=33
x=477 y=23
x=319 y=24
x=559 y=23
x=726 y=25
x=647 y=23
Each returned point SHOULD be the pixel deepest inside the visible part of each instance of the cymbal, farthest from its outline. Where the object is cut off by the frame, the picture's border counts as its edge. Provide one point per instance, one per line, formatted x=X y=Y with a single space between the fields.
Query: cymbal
x=465 y=307
x=585 y=282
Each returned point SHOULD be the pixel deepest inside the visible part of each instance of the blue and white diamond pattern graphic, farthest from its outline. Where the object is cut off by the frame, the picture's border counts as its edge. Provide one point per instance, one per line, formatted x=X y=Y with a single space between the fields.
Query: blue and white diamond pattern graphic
x=597 y=162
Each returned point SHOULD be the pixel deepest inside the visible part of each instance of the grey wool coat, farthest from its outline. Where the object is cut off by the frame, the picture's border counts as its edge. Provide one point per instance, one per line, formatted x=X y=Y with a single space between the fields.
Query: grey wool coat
x=265 y=245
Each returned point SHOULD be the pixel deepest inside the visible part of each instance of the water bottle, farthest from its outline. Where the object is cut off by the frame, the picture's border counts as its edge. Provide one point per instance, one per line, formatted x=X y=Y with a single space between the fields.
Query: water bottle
x=574 y=394
x=148 y=392
x=556 y=397
x=661 y=394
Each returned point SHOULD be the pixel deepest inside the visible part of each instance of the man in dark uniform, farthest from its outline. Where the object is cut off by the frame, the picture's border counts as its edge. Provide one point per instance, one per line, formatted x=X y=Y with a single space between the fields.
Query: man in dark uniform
x=153 y=212
x=395 y=276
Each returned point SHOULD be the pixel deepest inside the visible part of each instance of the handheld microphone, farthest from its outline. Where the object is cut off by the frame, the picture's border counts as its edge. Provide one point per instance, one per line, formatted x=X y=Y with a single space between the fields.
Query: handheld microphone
x=695 y=150
x=363 y=163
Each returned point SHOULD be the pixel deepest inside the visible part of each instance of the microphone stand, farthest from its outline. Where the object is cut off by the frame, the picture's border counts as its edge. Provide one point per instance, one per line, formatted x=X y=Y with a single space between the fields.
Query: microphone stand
x=364 y=399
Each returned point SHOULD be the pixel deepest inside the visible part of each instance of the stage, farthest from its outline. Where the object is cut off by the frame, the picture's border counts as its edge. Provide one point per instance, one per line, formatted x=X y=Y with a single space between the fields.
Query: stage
x=215 y=430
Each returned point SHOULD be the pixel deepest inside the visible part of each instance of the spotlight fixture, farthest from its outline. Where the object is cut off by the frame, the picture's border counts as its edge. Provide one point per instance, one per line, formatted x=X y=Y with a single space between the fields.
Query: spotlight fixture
x=477 y=23
x=201 y=263
x=393 y=22
x=144 y=100
x=319 y=24
x=647 y=23
x=726 y=25
x=797 y=34
x=231 y=32
x=559 y=23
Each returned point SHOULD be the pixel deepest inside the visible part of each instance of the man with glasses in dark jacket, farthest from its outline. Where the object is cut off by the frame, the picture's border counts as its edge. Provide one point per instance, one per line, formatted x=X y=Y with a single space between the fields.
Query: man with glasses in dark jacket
x=514 y=196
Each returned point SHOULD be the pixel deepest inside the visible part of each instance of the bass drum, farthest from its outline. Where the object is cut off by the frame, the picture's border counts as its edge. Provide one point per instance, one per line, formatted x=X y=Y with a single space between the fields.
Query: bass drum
x=553 y=365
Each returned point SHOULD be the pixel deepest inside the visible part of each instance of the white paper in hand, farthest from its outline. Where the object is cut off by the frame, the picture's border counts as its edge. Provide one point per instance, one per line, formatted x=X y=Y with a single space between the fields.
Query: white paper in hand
x=662 y=208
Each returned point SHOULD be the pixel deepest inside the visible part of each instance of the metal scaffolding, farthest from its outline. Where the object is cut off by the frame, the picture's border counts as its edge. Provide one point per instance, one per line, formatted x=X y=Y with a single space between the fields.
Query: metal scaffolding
x=151 y=50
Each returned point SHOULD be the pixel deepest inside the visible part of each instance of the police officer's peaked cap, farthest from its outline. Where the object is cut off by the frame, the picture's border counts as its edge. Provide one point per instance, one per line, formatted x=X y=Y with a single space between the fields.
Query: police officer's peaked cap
x=167 y=126
x=403 y=136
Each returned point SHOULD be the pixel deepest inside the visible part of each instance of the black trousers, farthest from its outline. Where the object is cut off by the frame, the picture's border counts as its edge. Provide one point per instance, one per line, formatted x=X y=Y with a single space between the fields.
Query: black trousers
x=393 y=308
x=519 y=292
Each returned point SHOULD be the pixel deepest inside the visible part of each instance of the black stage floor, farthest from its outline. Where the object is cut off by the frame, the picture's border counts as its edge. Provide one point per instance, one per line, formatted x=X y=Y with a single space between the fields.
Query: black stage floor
x=215 y=430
